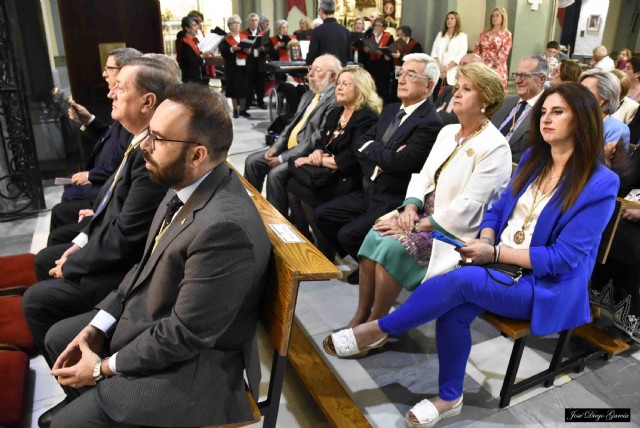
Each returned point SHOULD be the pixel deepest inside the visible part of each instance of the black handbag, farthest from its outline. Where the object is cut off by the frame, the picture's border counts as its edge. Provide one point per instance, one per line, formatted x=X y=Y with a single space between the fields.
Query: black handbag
x=515 y=272
x=311 y=176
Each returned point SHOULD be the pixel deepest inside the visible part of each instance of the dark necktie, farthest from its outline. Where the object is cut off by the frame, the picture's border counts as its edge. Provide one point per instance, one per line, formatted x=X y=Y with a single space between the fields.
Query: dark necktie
x=172 y=207
x=509 y=126
x=393 y=126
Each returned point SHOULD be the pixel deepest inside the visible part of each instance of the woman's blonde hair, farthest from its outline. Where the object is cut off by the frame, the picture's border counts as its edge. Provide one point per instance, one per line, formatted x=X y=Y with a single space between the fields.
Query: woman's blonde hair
x=625 y=82
x=366 y=88
x=307 y=23
x=505 y=23
x=487 y=82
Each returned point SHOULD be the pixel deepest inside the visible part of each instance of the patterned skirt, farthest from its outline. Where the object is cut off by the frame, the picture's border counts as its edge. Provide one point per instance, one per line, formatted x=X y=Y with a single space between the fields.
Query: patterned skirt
x=404 y=256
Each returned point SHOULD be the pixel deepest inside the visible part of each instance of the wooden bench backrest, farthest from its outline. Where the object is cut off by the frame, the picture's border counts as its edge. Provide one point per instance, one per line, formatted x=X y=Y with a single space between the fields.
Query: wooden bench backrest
x=289 y=264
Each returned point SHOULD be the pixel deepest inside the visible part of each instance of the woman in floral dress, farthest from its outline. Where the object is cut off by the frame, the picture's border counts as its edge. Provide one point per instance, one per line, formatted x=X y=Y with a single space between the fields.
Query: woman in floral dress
x=494 y=44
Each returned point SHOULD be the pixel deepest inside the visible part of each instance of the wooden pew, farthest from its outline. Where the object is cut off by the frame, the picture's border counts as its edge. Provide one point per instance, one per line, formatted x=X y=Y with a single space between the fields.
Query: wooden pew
x=290 y=263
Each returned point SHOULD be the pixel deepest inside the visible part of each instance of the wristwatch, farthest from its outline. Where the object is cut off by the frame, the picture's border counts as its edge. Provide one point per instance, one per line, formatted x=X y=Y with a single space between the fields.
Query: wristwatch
x=97 y=372
x=416 y=227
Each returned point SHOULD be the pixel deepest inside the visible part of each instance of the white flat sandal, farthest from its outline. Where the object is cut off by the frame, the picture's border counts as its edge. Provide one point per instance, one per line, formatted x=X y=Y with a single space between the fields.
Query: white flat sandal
x=427 y=415
x=343 y=345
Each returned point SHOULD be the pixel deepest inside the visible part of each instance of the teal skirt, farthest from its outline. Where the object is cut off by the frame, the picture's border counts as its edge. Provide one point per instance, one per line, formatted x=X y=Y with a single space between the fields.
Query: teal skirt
x=392 y=255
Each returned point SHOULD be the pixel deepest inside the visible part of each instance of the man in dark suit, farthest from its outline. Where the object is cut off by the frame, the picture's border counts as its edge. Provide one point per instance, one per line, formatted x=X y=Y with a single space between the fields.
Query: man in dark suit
x=298 y=137
x=170 y=346
x=513 y=117
x=394 y=148
x=110 y=143
x=330 y=37
x=76 y=275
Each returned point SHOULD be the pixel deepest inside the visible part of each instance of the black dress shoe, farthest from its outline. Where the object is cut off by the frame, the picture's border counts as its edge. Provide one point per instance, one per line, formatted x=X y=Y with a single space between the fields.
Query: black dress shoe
x=354 y=277
x=235 y=115
x=45 y=419
x=244 y=113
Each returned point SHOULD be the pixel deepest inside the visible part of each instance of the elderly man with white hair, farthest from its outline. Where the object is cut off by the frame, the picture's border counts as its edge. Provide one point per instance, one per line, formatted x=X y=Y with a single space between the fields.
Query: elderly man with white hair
x=601 y=59
x=299 y=137
x=393 y=149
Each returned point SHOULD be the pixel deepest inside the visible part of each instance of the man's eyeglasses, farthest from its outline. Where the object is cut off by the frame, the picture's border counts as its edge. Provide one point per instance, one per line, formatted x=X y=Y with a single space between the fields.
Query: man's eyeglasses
x=316 y=69
x=108 y=68
x=410 y=75
x=153 y=139
x=526 y=75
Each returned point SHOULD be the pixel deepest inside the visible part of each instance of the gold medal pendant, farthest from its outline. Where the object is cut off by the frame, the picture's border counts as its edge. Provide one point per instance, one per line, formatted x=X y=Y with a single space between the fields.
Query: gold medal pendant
x=518 y=237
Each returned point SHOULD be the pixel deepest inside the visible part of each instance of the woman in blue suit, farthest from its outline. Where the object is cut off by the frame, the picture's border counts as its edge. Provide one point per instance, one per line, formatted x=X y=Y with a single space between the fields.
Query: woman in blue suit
x=548 y=222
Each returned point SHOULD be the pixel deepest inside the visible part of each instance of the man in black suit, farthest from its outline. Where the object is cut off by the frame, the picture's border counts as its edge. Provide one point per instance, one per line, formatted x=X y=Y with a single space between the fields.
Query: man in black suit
x=330 y=37
x=394 y=148
x=171 y=345
x=513 y=117
x=111 y=141
x=76 y=275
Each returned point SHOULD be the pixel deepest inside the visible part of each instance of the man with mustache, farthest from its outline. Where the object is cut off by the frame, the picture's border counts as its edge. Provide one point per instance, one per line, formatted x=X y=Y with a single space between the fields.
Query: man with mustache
x=298 y=137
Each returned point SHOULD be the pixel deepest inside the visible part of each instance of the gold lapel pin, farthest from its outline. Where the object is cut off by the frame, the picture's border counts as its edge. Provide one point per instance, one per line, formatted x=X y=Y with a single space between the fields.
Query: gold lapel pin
x=470 y=152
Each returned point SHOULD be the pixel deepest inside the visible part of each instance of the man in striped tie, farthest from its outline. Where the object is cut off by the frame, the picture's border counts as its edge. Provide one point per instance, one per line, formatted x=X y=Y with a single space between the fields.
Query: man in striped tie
x=75 y=276
x=298 y=138
x=513 y=117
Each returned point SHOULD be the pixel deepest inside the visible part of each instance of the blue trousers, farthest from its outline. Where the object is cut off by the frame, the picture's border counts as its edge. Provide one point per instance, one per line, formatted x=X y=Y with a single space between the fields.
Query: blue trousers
x=455 y=299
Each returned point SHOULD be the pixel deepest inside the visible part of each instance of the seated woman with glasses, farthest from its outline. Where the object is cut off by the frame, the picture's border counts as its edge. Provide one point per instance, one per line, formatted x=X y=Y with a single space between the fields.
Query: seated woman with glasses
x=332 y=169
x=547 y=225
x=467 y=168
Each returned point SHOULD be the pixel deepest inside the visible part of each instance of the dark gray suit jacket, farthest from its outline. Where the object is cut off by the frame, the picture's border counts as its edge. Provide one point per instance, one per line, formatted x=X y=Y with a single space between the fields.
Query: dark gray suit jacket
x=311 y=131
x=188 y=313
x=519 y=138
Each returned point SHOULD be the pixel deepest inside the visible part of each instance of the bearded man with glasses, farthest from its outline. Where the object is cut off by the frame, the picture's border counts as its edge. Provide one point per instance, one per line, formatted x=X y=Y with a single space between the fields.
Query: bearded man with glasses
x=513 y=117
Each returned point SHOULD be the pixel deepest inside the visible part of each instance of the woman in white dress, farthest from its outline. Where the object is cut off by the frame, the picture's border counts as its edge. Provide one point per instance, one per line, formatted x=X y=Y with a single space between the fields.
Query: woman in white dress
x=449 y=47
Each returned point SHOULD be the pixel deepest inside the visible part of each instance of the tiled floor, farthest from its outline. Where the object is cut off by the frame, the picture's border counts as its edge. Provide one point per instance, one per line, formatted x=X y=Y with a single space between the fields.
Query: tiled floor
x=385 y=384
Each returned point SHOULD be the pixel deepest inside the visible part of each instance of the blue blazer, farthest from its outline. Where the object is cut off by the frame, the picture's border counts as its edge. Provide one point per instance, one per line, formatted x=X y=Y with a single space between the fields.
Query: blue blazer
x=563 y=249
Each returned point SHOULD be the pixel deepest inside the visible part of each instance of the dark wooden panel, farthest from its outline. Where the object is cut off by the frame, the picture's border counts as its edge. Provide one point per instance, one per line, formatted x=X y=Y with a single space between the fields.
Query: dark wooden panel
x=88 y=23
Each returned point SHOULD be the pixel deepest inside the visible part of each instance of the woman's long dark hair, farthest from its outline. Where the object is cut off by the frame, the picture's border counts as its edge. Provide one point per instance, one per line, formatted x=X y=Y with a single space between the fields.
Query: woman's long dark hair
x=587 y=152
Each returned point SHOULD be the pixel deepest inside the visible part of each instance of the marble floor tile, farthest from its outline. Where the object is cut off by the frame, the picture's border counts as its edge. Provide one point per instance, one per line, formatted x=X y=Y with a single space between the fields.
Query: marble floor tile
x=488 y=363
x=548 y=409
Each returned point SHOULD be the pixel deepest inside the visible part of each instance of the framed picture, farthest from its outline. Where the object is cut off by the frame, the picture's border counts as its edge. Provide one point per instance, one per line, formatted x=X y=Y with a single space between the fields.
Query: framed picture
x=594 y=22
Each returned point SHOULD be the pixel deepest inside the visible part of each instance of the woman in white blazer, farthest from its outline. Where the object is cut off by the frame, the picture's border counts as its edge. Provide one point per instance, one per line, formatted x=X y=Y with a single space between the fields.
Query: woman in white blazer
x=449 y=47
x=467 y=169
